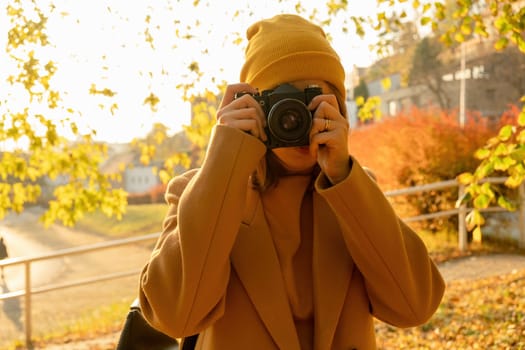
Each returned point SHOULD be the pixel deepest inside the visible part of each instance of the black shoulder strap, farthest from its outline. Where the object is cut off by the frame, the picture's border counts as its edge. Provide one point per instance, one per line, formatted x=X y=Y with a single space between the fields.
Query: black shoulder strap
x=189 y=343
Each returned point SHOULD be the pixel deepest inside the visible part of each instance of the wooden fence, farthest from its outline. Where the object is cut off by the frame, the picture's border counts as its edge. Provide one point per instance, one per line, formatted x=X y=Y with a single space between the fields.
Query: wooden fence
x=462 y=211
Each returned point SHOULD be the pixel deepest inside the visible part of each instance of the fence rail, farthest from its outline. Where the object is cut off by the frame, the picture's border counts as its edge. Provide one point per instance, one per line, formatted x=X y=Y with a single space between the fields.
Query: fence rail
x=462 y=211
x=28 y=291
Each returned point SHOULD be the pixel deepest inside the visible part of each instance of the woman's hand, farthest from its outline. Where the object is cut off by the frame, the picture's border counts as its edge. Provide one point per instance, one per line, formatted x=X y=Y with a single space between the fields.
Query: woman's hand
x=329 y=138
x=244 y=112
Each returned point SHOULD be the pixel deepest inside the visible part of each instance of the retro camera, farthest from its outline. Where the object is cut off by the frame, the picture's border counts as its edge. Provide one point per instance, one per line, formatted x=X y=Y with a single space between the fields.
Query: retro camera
x=288 y=120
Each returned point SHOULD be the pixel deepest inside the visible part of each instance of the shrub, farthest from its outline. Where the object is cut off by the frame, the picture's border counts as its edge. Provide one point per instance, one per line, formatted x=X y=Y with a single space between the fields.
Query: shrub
x=420 y=147
x=153 y=195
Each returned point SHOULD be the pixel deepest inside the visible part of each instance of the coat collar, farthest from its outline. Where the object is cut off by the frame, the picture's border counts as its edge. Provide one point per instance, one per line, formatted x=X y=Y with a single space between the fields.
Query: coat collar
x=255 y=260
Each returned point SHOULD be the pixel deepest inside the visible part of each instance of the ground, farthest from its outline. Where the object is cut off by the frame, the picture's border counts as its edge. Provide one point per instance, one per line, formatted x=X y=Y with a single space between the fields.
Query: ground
x=468 y=268
x=26 y=237
x=21 y=229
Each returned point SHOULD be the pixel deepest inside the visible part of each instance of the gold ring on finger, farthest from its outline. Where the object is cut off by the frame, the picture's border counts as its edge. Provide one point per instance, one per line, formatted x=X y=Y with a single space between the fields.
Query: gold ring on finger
x=326 y=124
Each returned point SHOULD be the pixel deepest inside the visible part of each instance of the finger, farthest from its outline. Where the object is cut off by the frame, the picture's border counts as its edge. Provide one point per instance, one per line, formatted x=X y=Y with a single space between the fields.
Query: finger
x=322 y=125
x=232 y=90
x=248 y=125
x=250 y=108
x=327 y=145
x=326 y=126
x=319 y=99
x=328 y=132
x=245 y=119
x=252 y=120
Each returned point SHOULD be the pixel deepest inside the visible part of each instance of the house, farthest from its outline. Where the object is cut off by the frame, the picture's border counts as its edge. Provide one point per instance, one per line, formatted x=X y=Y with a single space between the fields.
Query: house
x=135 y=177
x=492 y=79
x=140 y=178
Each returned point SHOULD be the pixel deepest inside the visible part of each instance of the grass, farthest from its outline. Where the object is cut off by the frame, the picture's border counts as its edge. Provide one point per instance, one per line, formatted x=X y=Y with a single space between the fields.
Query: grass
x=90 y=324
x=443 y=246
x=487 y=313
x=138 y=220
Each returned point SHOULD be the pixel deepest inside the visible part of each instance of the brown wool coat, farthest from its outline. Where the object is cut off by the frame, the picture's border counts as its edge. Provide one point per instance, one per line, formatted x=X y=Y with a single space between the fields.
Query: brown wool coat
x=214 y=270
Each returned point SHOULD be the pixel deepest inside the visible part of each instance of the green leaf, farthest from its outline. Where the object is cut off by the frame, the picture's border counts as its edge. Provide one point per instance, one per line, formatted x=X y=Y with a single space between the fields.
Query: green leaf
x=521 y=44
x=501 y=43
x=482 y=153
x=458 y=36
x=484 y=169
x=521 y=118
x=466 y=27
x=476 y=234
x=518 y=154
x=486 y=188
x=506 y=204
x=479 y=220
x=502 y=24
x=505 y=132
x=503 y=163
x=465 y=178
x=514 y=180
x=492 y=142
x=474 y=219
x=482 y=201
x=425 y=20
x=386 y=84
x=501 y=150
x=520 y=137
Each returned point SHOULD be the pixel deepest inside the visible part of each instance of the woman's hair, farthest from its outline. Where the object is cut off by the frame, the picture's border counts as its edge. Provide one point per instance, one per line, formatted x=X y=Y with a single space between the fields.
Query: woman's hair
x=268 y=172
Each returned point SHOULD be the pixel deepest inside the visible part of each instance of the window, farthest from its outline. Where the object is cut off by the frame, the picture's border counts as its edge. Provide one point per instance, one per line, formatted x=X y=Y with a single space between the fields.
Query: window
x=392 y=107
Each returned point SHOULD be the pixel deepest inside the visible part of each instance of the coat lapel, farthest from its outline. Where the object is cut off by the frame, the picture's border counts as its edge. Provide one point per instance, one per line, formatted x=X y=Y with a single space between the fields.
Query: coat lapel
x=255 y=260
x=332 y=269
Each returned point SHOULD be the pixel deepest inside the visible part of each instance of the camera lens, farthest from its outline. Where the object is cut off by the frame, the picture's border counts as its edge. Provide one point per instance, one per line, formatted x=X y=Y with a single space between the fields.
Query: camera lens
x=289 y=120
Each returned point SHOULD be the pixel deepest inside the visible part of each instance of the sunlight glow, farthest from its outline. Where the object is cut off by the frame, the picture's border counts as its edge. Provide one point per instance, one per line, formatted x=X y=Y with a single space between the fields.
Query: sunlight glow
x=104 y=43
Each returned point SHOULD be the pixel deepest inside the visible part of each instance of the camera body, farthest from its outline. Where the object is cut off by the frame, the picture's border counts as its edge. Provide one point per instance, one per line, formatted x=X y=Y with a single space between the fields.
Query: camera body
x=288 y=120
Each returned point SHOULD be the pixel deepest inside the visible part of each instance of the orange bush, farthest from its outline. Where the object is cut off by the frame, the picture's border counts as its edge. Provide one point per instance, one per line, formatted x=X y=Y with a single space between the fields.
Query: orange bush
x=153 y=195
x=420 y=147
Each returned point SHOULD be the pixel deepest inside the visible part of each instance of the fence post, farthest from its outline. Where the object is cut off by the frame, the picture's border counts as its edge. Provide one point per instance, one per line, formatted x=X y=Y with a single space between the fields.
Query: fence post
x=462 y=215
x=27 y=296
x=521 y=241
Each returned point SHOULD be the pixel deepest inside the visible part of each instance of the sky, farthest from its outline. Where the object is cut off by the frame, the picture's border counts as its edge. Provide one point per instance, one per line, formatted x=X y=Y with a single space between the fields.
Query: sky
x=102 y=42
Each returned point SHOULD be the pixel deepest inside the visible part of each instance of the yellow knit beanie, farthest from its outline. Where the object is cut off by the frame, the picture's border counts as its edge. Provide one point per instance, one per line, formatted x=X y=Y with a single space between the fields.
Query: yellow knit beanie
x=287 y=48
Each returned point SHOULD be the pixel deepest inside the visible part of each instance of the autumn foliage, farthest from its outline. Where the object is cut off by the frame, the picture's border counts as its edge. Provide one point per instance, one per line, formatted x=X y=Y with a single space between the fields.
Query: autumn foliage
x=421 y=147
x=487 y=313
x=154 y=195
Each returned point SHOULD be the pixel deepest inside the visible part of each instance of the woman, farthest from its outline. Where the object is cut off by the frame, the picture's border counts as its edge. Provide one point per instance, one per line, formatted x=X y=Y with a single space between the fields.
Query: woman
x=288 y=247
